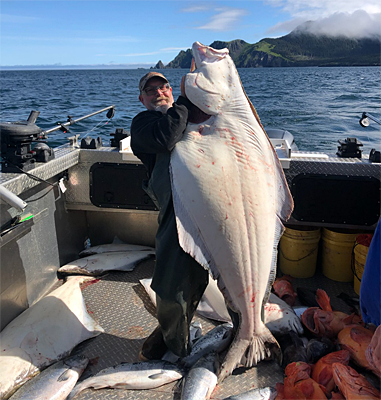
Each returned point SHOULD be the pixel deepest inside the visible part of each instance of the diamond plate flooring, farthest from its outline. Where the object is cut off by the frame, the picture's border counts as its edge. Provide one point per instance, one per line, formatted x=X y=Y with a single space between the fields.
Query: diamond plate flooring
x=120 y=304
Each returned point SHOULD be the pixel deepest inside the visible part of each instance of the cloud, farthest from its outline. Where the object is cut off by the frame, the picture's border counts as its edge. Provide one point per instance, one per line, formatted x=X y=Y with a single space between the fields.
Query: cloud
x=339 y=17
x=359 y=24
x=195 y=9
x=313 y=9
x=225 y=20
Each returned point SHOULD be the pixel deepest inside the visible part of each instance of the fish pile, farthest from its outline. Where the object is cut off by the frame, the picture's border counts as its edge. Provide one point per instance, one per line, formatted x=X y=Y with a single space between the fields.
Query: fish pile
x=336 y=362
x=230 y=197
x=44 y=333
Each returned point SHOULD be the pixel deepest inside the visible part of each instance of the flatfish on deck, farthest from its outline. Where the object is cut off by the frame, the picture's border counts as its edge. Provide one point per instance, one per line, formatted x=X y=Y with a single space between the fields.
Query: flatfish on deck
x=43 y=334
x=230 y=196
x=98 y=264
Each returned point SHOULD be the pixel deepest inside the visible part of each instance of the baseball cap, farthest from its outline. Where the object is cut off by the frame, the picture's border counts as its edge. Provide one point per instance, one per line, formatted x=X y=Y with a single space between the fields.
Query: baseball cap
x=148 y=76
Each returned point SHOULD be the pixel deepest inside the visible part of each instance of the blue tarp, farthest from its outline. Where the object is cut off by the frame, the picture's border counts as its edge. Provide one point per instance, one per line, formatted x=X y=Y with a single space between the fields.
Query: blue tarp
x=370 y=290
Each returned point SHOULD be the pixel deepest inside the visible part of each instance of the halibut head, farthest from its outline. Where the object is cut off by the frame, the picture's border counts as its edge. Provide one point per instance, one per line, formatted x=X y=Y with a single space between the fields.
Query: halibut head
x=230 y=197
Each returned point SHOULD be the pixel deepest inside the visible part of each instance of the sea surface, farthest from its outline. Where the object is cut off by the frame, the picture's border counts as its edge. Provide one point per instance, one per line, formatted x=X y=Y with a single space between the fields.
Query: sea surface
x=319 y=106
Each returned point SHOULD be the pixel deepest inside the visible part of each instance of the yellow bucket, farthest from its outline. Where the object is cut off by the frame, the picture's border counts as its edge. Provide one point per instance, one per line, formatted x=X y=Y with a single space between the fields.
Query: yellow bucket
x=298 y=251
x=358 y=261
x=336 y=255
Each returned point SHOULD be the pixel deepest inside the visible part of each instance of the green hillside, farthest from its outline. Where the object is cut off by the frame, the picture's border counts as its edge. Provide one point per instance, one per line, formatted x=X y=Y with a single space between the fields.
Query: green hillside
x=297 y=49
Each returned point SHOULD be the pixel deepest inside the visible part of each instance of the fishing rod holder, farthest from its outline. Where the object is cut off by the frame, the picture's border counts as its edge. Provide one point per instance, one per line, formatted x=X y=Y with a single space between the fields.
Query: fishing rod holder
x=17 y=153
x=364 y=120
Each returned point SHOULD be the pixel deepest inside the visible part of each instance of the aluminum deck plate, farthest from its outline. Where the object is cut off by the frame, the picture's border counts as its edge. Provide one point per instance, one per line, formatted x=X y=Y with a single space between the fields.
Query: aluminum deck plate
x=120 y=304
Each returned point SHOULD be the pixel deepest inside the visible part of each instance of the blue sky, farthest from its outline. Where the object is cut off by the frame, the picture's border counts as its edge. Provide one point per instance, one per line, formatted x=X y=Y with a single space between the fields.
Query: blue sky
x=141 y=33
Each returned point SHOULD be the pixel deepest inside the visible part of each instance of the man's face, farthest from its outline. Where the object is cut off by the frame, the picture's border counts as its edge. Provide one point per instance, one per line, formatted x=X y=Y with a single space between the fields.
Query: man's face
x=159 y=100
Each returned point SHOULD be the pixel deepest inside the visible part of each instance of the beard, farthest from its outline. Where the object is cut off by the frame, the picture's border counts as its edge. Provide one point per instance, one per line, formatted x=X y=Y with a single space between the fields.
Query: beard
x=163 y=108
x=158 y=104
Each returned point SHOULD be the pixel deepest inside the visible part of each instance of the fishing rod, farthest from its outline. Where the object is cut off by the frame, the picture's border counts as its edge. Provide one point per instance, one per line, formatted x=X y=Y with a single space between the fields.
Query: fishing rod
x=70 y=121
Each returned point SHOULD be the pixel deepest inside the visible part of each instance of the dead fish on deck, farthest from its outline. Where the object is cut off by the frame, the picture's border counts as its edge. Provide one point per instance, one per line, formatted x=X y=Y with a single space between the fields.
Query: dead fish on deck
x=293 y=348
x=373 y=352
x=284 y=290
x=44 y=333
x=266 y=393
x=280 y=318
x=201 y=378
x=216 y=340
x=352 y=384
x=98 y=264
x=318 y=348
x=54 y=382
x=324 y=321
x=356 y=340
x=230 y=195
x=139 y=376
x=322 y=370
x=114 y=247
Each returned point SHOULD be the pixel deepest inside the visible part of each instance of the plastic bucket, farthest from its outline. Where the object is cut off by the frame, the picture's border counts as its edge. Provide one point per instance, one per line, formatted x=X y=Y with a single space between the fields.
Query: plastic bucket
x=298 y=251
x=337 y=255
x=359 y=258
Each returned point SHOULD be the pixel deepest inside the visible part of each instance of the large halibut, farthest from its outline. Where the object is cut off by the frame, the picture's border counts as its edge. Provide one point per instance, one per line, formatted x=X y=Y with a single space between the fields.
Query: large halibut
x=230 y=195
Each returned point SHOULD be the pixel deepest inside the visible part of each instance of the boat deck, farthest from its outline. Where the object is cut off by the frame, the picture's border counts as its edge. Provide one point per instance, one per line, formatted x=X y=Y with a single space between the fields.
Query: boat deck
x=123 y=308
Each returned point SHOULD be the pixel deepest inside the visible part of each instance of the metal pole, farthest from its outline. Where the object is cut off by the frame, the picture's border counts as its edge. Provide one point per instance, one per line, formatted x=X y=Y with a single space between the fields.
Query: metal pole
x=75 y=120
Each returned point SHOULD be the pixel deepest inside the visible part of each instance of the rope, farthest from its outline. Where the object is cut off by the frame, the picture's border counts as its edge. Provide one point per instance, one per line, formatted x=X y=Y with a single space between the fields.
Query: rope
x=302 y=258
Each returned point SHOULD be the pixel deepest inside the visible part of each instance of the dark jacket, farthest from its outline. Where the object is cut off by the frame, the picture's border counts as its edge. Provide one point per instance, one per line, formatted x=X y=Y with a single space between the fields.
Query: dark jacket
x=153 y=132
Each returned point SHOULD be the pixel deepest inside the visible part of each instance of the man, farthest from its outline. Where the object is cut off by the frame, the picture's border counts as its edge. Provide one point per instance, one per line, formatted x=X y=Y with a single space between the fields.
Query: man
x=178 y=280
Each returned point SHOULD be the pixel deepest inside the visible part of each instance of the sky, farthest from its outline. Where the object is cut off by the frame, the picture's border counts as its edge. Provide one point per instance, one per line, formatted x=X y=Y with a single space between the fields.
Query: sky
x=139 y=33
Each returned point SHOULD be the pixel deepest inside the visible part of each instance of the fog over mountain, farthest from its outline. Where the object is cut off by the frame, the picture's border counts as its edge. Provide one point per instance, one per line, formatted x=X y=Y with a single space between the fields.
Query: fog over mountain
x=358 y=25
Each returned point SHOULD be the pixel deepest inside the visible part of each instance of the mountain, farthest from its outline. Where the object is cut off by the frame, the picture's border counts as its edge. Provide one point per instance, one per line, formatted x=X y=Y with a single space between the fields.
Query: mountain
x=300 y=48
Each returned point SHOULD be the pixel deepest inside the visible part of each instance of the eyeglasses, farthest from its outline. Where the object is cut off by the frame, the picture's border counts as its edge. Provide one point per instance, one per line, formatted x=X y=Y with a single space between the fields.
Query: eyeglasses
x=151 y=90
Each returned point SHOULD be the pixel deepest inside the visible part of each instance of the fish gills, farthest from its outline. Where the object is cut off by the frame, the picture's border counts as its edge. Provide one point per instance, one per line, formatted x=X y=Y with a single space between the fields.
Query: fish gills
x=230 y=195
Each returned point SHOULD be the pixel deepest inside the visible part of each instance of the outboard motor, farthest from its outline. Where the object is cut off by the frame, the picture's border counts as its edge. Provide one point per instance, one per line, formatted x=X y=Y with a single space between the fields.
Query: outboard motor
x=16 y=145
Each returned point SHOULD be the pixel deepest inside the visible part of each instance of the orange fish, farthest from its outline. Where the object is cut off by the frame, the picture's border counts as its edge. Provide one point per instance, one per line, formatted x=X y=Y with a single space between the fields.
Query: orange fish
x=279 y=387
x=353 y=385
x=283 y=289
x=373 y=352
x=299 y=385
x=356 y=339
x=322 y=371
x=324 y=321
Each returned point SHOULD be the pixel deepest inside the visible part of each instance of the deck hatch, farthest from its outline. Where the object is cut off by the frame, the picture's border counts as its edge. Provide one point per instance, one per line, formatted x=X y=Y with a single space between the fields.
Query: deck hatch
x=336 y=199
x=119 y=186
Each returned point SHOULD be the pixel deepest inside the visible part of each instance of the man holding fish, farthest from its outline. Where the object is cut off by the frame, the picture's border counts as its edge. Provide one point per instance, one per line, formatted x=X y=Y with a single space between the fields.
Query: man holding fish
x=178 y=280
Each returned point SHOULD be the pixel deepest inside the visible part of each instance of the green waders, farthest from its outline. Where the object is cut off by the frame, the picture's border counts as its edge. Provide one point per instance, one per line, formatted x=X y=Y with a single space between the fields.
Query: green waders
x=178 y=280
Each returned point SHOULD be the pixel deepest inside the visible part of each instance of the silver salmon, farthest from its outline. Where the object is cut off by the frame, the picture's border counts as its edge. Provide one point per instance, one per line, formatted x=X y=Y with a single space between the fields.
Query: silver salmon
x=216 y=340
x=139 y=375
x=201 y=379
x=54 y=382
x=230 y=198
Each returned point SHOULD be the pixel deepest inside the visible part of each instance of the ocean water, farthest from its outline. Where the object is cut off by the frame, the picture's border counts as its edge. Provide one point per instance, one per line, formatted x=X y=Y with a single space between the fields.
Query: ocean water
x=318 y=106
